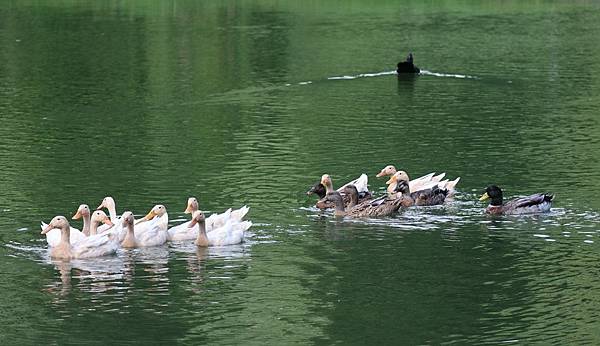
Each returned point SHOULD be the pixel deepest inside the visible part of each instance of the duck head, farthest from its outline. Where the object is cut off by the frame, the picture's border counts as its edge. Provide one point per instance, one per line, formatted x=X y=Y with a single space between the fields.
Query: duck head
x=326 y=181
x=192 y=205
x=57 y=222
x=82 y=211
x=494 y=193
x=402 y=187
x=397 y=177
x=99 y=216
x=386 y=171
x=158 y=210
x=317 y=189
x=107 y=203
x=127 y=219
x=197 y=217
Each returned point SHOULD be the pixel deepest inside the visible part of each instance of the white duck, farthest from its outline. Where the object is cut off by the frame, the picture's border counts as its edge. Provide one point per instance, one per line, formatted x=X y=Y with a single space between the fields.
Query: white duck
x=158 y=212
x=151 y=230
x=109 y=203
x=129 y=240
x=93 y=246
x=222 y=236
x=185 y=232
x=53 y=235
x=215 y=221
x=182 y=231
x=423 y=185
x=97 y=218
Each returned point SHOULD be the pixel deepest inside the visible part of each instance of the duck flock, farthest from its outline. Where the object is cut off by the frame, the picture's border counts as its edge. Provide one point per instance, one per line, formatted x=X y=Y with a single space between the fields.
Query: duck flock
x=355 y=200
x=103 y=235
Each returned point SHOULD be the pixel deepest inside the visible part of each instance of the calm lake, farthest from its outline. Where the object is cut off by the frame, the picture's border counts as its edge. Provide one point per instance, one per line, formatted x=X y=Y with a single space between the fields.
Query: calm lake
x=249 y=103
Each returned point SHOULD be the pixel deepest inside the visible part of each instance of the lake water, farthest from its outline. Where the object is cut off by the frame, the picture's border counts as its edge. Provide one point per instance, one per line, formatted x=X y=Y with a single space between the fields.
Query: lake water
x=249 y=102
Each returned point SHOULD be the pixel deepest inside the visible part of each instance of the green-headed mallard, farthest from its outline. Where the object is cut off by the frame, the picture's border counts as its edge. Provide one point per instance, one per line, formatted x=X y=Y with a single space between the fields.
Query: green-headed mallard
x=537 y=203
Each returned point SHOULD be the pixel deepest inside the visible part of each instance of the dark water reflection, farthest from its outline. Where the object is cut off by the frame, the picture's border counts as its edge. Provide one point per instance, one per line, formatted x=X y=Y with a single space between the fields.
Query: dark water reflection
x=249 y=103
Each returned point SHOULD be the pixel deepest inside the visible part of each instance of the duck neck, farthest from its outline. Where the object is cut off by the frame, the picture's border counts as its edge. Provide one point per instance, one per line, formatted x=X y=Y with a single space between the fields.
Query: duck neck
x=130 y=229
x=391 y=189
x=112 y=212
x=328 y=187
x=65 y=235
x=353 y=200
x=129 y=240
x=93 y=228
x=86 y=224
x=497 y=201
x=202 y=239
x=339 y=206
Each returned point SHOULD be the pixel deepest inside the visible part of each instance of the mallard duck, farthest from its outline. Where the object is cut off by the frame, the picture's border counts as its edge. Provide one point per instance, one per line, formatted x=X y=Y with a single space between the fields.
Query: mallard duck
x=53 y=236
x=92 y=246
x=432 y=196
x=537 y=203
x=225 y=235
x=382 y=206
x=407 y=66
x=423 y=184
x=326 y=185
x=319 y=190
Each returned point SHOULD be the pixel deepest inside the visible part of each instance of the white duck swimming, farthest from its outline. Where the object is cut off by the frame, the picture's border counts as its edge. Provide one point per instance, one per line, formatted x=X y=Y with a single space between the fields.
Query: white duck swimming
x=185 y=232
x=97 y=218
x=53 y=236
x=222 y=236
x=157 y=213
x=93 y=246
x=109 y=203
x=182 y=231
x=423 y=185
x=361 y=184
x=215 y=221
x=129 y=240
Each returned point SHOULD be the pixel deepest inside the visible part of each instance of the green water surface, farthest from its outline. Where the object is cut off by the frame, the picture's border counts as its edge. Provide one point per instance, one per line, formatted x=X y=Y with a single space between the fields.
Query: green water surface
x=249 y=102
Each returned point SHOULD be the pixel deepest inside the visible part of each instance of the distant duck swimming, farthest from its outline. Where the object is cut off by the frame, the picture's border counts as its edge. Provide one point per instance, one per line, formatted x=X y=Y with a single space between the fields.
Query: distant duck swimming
x=537 y=203
x=324 y=186
x=407 y=66
x=382 y=206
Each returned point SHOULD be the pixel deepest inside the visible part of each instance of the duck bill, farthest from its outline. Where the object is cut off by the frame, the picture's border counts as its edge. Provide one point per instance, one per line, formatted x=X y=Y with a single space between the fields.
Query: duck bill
x=47 y=229
x=188 y=209
x=391 y=180
x=77 y=215
x=109 y=223
x=380 y=174
x=148 y=217
x=484 y=197
x=100 y=206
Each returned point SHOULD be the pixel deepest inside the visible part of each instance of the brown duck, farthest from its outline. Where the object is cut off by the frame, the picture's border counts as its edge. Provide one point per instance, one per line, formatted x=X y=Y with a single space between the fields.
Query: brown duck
x=382 y=206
